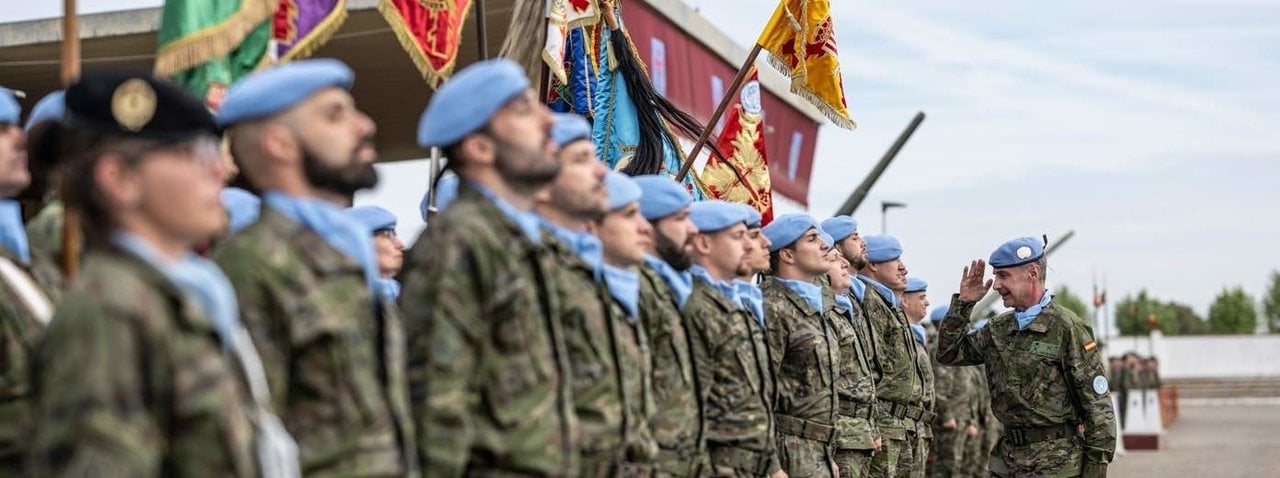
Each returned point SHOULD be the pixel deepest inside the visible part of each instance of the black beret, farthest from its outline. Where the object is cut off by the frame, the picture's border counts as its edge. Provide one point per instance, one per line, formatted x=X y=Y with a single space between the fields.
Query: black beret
x=136 y=105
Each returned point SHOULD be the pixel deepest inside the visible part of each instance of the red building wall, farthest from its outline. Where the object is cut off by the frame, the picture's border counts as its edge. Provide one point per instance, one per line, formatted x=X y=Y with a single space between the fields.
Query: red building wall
x=686 y=71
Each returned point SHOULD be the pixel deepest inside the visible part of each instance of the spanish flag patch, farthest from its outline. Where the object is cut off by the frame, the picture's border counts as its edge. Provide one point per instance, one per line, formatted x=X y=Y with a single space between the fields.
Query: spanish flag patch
x=1090 y=346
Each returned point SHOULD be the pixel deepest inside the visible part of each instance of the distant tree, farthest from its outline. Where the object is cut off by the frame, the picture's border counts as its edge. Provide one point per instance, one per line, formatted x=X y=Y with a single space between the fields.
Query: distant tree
x=1188 y=323
x=1132 y=312
x=1065 y=298
x=1271 y=304
x=1233 y=312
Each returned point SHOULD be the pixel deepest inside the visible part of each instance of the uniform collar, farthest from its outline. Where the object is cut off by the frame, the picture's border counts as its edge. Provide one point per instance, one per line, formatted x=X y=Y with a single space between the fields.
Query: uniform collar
x=884 y=292
x=624 y=286
x=859 y=289
x=727 y=289
x=1026 y=317
x=680 y=282
x=526 y=221
x=750 y=296
x=810 y=292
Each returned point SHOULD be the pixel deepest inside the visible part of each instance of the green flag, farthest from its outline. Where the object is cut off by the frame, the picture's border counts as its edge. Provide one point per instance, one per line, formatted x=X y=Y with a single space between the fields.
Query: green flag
x=205 y=45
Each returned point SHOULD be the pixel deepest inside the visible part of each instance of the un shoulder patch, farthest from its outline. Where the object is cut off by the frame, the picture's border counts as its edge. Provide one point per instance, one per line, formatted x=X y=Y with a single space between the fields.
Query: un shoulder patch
x=1100 y=385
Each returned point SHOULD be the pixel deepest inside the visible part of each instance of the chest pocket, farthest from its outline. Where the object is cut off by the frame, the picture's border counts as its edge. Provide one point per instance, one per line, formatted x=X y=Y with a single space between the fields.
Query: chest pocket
x=523 y=365
x=1038 y=368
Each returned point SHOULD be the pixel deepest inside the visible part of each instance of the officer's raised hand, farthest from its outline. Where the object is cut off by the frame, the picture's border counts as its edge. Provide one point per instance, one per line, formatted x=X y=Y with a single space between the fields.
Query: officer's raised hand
x=972 y=285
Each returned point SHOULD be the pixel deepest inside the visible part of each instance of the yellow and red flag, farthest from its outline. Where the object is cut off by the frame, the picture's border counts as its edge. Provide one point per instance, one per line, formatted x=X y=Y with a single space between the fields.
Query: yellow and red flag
x=430 y=31
x=743 y=175
x=801 y=41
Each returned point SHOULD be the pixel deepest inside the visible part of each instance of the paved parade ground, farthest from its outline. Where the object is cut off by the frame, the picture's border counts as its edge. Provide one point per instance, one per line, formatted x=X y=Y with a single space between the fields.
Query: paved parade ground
x=1217 y=441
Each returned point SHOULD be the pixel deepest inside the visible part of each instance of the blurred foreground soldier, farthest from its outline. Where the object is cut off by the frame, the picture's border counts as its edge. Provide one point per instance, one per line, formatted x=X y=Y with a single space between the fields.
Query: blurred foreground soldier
x=27 y=306
x=677 y=423
x=730 y=349
x=803 y=346
x=900 y=391
x=857 y=436
x=305 y=273
x=955 y=420
x=381 y=224
x=1044 y=369
x=146 y=369
x=46 y=163
x=489 y=374
x=626 y=235
x=587 y=314
x=915 y=304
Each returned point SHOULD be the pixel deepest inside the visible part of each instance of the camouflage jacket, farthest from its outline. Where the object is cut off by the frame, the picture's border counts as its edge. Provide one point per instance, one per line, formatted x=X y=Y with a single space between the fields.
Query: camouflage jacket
x=1049 y=374
x=805 y=356
x=731 y=357
x=677 y=424
x=44 y=230
x=855 y=383
x=901 y=379
x=953 y=389
x=927 y=393
x=134 y=381
x=609 y=356
x=488 y=374
x=20 y=327
x=327 y=347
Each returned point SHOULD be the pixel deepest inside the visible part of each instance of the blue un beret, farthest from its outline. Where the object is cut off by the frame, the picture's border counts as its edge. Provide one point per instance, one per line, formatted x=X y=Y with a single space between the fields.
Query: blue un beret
x=826 y=238
x=49 y=108
x=9 y=108
x=662 y=196
x=915 y=284
x=716 y=215
x=882 y=249
x=569 y=127
x=840 y=227
x=622 y=190
x=242 y=208
x=753 y=216
x=938 y=313
x=372 y=218
x=446 y=193
x=280 y=87
x=467 y=101
x=785 y=230
x=1023 y=250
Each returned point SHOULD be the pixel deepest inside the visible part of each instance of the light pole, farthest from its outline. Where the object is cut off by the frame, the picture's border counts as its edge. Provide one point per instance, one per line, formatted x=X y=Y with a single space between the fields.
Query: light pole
x=884 y=214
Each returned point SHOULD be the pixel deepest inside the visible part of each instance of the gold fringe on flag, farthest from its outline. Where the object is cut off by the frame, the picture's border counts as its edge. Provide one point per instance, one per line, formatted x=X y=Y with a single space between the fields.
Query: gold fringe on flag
x=191 y=50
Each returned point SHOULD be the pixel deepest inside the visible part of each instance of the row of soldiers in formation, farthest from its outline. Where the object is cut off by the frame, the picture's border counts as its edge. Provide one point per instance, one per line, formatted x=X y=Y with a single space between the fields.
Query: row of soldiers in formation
x=556 y=319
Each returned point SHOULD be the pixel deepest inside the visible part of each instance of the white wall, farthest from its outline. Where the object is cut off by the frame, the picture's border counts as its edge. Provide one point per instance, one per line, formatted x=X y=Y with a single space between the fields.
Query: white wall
x=1208 y=356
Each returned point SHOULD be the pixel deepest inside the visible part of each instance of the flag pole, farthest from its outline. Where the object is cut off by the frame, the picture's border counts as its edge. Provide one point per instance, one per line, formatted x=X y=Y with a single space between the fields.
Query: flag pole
x=70 y=73
x=482 y=29
x=715 y=117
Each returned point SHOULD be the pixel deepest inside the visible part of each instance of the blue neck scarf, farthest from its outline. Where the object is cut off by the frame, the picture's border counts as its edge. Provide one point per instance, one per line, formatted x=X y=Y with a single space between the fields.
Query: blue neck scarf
x=1025 y=317
x=918 y=331
x=979 y=325
x=585 y=245
x=389 y=288
x=885 y=292
x=751 y=297
x=529 y=223
x=809 y=291
x=337 y=229
x=859 y=289
x=624 y=287
x=725 y=288
x=680 y=282
x=843 y=301
x=13 y=235
x=198 y=278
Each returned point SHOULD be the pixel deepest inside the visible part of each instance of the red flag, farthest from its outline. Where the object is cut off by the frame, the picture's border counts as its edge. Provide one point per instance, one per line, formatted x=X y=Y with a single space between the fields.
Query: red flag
x=429 y=31
x=743 y=176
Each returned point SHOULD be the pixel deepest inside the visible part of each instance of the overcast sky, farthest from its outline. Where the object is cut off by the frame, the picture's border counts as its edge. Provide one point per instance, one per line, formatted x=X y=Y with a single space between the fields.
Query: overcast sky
x=1146 y=127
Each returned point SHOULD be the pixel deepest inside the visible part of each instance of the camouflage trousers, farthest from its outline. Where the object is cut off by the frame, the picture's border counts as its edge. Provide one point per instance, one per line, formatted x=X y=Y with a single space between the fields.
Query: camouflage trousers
x=977 y=453
x=803 y=458
x=919 y=457
x=1060 y=457
x=948 y=451
x=854 y=463
x=894 y=459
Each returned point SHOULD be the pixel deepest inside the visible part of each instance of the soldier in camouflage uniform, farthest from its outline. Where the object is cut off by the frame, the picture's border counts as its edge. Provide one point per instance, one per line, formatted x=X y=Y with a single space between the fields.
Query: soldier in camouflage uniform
x=955 y=421
x=27 y=300
x=900 y=391
x=978 y=453
x=601 y=344
x=45 y=163
x=677 y=423
x=915 y=303
x=305 y=274
x=857 y=436
x=1045 y=371
x=488 y=370
x=145 y=369
x=730 y=350
x=804 y=347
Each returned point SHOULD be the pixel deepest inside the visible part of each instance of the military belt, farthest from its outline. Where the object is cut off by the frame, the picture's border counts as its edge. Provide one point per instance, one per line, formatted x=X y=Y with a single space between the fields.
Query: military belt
x=805 y=428
x=1027 y=436
x=755 y=463
x=901 y=410
x=855 y=410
